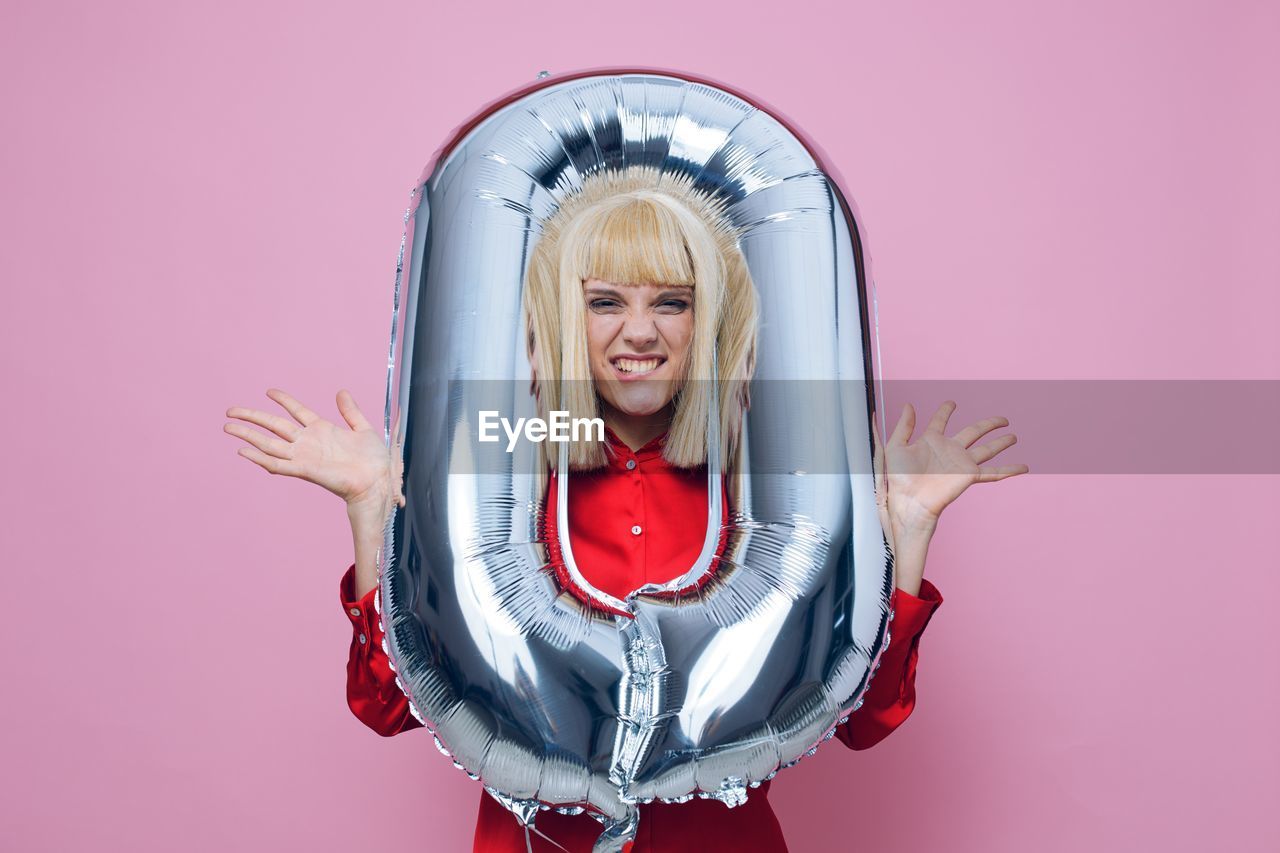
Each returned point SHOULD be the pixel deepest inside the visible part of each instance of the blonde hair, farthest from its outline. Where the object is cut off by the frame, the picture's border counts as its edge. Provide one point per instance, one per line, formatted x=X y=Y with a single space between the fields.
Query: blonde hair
x=642 y=226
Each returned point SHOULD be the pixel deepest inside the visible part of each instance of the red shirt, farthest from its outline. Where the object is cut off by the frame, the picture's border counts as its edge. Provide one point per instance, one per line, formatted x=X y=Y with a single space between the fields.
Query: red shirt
x=648 y=524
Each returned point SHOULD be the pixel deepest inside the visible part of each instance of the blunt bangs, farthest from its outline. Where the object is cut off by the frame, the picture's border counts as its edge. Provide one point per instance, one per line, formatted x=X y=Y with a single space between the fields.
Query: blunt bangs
x=637 y=241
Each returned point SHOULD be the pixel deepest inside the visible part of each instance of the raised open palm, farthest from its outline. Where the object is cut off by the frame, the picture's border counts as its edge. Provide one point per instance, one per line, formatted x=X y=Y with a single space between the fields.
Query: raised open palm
x=352 y=461
x=915 y=482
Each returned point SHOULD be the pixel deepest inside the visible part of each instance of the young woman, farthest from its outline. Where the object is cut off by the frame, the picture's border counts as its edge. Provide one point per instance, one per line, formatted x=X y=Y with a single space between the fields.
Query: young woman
x=614 y=299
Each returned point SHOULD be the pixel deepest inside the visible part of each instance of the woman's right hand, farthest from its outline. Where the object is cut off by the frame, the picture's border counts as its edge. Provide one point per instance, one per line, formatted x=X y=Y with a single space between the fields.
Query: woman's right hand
x=354 y=463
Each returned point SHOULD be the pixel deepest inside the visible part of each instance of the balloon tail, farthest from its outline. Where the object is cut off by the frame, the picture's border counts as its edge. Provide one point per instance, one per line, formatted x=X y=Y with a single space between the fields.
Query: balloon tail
x=618 y=834
x=528 y=842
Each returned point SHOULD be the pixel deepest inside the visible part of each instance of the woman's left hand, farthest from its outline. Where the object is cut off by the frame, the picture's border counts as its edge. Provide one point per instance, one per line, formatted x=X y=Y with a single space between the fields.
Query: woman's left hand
x=915 y=482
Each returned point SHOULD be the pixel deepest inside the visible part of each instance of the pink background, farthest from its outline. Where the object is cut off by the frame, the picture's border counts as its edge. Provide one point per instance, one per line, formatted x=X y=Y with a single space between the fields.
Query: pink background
x=203 y=200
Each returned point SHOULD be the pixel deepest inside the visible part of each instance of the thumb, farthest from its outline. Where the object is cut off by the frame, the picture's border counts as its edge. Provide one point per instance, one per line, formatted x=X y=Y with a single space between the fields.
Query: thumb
x=878 y=461
x=350 y=411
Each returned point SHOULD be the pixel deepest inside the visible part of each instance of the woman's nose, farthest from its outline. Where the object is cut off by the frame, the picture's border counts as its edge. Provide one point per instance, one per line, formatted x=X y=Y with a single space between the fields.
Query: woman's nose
x=639 y=330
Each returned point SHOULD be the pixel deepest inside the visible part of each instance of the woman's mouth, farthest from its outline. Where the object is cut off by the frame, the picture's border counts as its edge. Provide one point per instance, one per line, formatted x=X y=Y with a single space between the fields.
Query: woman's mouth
x=635 y=368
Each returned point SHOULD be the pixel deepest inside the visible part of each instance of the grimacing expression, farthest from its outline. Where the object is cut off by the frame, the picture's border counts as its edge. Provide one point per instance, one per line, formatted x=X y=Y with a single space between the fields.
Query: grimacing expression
x=638 y=338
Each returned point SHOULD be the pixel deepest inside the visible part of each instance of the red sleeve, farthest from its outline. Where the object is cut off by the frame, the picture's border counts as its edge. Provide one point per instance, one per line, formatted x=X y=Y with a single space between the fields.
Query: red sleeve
x=892 y=694
x=372 y=693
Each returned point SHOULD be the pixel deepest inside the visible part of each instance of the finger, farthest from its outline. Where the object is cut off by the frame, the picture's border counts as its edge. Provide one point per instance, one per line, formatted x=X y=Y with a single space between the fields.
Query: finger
x=938 y=423
x=983 y=452
x=397 y=459
x=265 y=443
x=351 y=412
x=973 y=432
x=280 y=426
x=300 y=413
x=271 y=463
x=877 y=462
x=878 y=459
x=906 y=425
x=988 y=474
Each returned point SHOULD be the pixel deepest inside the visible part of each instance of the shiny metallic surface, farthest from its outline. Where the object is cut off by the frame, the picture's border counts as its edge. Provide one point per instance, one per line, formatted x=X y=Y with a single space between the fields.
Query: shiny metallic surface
x=708 y=694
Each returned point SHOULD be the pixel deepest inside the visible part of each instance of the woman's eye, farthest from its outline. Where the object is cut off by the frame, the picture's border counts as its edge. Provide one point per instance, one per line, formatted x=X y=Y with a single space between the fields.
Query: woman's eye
x=673 y=306
x=603 y=304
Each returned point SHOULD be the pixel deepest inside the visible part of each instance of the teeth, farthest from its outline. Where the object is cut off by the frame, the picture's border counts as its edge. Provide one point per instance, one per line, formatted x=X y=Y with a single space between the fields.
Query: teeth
x=633 y=366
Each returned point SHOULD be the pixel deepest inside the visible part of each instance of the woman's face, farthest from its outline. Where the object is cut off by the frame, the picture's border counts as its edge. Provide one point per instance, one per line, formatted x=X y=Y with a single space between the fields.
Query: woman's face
x=638 y=338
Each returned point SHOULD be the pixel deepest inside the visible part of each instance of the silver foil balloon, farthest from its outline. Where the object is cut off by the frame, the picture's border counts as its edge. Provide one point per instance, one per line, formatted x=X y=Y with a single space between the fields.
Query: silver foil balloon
x=549 y=704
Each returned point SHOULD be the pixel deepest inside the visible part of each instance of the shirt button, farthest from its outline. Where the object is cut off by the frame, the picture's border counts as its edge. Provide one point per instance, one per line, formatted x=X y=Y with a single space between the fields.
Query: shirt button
x=636 y=530
x=355 y=611
x=631 y=464
x=363 y=639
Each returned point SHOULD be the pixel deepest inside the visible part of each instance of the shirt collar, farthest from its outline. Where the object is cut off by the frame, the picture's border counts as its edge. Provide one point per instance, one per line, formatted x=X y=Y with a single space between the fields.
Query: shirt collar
x=652 y=450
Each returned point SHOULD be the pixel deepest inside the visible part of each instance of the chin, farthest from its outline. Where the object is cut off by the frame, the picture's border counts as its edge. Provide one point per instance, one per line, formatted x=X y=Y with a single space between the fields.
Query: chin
x=640 y=404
